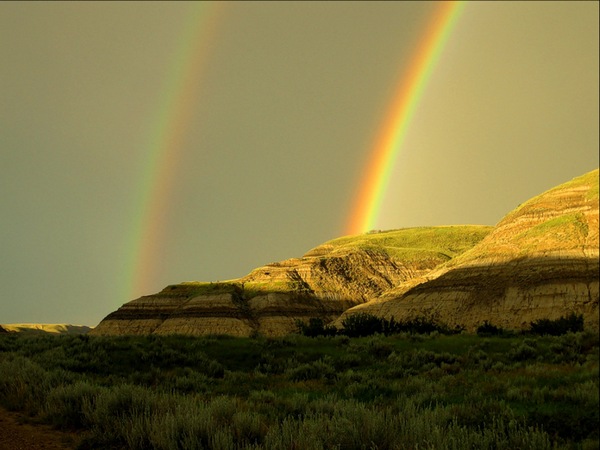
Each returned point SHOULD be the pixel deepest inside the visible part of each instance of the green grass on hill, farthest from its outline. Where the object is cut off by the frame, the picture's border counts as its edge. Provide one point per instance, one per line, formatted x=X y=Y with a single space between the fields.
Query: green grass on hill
x=189 y=288
x=410 y=244
x=415 y=243
x=587 y=181
x=565 y=228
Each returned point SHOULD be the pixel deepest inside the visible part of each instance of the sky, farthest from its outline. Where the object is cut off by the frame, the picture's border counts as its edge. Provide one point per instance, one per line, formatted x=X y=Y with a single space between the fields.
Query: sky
x=144 y=144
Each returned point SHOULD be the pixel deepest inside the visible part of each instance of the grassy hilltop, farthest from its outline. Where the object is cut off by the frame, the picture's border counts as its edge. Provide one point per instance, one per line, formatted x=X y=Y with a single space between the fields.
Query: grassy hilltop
x=410 y=243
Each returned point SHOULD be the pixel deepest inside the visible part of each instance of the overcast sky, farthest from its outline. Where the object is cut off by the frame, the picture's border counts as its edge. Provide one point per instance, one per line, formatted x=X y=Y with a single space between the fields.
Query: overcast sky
x=288 y=102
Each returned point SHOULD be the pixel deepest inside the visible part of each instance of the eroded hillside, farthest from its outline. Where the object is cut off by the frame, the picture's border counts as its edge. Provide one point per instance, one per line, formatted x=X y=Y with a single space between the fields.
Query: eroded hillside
x=326 y=281
x=541 y=261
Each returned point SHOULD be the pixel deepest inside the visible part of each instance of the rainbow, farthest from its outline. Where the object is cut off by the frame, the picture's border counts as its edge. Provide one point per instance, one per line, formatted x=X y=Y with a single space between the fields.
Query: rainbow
x=164 y=147
x=391 y=136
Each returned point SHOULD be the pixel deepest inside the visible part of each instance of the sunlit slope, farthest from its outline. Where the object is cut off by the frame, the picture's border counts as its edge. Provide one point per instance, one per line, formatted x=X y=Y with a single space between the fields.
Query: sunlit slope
x=541 y=261
x=43 y=328
x=409 y=243
x=323 y=283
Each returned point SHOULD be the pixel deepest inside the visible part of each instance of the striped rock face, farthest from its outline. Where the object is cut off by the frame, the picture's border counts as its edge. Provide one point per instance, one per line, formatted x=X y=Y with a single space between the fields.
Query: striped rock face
x=540 y=261
x=323 y=283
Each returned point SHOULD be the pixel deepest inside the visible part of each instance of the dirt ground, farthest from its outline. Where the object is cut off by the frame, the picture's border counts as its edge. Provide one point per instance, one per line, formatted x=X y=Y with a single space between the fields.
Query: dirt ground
x=17 y=434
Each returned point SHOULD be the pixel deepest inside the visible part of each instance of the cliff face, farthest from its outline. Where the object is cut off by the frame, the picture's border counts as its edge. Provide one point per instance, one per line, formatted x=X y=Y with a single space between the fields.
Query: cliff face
x=323 y=283
x=541 y=261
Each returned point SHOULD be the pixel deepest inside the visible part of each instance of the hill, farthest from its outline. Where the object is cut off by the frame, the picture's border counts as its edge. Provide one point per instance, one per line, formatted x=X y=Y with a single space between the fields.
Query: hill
x=540 y=261
x=326 y=281
x=43 y=328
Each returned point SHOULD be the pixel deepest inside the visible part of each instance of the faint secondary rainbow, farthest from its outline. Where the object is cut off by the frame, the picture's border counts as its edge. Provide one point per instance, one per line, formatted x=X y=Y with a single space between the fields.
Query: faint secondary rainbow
x=391 y=135
x=175 y=107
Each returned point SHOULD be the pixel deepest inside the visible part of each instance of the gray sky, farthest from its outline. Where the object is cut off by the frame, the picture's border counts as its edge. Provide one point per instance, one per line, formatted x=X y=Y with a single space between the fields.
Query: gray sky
x=288 y=105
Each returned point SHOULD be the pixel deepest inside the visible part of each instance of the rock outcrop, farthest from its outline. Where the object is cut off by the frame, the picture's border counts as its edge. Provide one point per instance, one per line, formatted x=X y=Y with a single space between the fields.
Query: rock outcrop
x=541 y=261
x=323 y=283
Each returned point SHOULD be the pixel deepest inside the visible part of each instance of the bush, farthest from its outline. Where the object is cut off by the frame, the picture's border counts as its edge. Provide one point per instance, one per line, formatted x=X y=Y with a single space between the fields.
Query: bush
x=487 y=329
x=24 y=384
x=315 y=327
x=408 y=391
x=523 y=352
x=316 y=370
x=65 y=404
x=427 y=325
x=563 y=325
x=364 y=324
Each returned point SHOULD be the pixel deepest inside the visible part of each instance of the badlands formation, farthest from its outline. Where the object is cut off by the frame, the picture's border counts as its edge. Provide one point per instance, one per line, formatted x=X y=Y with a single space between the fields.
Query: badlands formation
x=540 y=261
x=323 y=283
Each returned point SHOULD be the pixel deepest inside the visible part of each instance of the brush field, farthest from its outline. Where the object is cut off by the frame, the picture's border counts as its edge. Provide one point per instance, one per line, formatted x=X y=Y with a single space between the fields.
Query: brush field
x=404 y=391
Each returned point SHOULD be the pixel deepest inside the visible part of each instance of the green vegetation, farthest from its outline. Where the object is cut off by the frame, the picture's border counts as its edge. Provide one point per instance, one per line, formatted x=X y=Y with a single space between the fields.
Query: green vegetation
x=424 y=244
x=190 y=288
x=364 y=324
x=535 y=204
x=567 y=227
x=489 y=329
x=403 y=391
x=563 y=325
x=588 y=179
x=414 y=243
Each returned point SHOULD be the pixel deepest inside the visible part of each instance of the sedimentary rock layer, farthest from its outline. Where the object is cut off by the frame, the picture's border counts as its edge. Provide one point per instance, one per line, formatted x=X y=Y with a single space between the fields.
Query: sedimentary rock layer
x=541 y=261
x=323 y=283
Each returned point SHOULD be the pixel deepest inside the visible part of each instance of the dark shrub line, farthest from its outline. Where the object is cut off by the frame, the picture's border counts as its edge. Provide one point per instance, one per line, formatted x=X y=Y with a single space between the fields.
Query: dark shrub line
x=563 y=325
x=364 y=324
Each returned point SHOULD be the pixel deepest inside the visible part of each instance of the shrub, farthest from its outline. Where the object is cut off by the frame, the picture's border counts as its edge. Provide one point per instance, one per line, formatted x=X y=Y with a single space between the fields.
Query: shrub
x=379 y=348
x=487 y=329
x=24 y=384
x=478 y=414
x=427 y=325
x=65 y=404
x=214 y=369
x=573 y=322
x=315 y=327
x=316 y=370
x=362 y=324
x=523 y=352
x=410 y=391
x=189 y=381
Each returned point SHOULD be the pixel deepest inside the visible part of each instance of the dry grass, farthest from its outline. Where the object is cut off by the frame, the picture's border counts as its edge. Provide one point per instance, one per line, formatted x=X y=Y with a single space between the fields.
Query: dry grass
x=42 y=328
